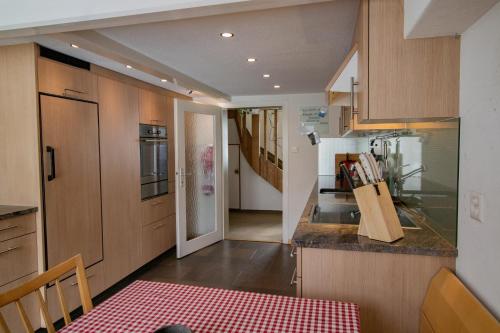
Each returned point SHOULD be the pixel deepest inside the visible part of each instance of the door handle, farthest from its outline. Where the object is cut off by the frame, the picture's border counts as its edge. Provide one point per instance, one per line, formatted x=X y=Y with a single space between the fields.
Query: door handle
x=353 y=83
x=52 y=174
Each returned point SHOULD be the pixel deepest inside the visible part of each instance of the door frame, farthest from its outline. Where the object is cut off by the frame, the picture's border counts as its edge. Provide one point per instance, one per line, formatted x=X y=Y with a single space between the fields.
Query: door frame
x=193 y=245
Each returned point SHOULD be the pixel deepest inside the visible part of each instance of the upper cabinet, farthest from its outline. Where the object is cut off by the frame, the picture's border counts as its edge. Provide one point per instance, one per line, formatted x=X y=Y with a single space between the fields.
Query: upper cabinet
x=64 y=80
x=153 y=108
x=399 y=79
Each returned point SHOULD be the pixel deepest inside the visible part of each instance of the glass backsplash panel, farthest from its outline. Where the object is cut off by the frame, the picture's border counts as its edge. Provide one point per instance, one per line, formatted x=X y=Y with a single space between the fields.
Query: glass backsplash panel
x=423 y=173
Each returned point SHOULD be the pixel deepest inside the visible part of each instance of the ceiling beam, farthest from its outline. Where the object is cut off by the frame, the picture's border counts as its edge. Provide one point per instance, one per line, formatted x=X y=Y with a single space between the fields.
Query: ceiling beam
x=103 y=46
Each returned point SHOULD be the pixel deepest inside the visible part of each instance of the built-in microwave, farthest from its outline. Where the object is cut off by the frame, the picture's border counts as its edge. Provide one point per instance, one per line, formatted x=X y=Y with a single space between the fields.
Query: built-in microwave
x=154 y=160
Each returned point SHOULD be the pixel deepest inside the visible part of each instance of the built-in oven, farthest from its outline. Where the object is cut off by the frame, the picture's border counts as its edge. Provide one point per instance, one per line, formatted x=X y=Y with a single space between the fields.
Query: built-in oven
x=154 y=160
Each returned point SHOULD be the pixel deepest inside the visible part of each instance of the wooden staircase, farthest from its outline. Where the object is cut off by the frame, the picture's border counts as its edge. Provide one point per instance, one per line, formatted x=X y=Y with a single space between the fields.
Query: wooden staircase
x=260 y=156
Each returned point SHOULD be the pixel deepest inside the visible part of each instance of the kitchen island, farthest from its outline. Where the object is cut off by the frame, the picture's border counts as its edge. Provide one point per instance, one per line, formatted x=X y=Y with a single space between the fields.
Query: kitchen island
x=387 y=280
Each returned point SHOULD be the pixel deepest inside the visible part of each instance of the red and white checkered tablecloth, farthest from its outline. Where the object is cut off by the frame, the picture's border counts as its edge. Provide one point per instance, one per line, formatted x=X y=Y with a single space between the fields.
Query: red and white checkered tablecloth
x=143 y=307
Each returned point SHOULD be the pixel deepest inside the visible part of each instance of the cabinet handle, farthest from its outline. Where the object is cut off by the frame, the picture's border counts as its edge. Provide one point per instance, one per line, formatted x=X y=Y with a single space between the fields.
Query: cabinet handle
x=353 y=83
x=10 y=249
x=52 y=175
x=158 y=226
x=294 y=275
x=66 y=90
x=9 y=227
x=88 y=277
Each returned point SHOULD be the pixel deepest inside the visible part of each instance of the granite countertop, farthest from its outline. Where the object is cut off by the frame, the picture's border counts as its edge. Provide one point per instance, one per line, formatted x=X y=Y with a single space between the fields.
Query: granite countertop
x=422 y=241
x=7 y=212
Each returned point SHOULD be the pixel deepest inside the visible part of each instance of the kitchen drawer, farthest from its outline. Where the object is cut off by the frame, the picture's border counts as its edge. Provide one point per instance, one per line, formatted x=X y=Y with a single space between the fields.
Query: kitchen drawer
x=95 y=278
x=19 y=254
x=155 y=209
x=65 y=80
x=17 y=226
x=157 y=238
x=30 y=305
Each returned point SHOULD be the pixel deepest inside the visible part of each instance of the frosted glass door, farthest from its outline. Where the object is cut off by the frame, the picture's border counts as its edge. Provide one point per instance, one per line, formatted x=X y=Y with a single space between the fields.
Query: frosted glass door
x=199 y=132
x=198 y=164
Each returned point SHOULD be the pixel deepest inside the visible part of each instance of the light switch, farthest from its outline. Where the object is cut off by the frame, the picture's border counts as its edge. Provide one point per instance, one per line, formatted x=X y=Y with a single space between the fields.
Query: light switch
x=476 y=206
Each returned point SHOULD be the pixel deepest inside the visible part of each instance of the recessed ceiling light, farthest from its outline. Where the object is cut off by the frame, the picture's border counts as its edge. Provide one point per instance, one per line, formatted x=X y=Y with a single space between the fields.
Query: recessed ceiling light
x=163 y=80
x=75 y=46
x=266 y=76
x=226 y=34
x=277 y=86
x=251 y=60
x=129 y=67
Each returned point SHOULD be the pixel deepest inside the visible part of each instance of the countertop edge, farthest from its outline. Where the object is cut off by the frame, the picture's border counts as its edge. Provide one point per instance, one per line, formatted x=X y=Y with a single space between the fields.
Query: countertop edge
x=316 y=240
x=9 y=211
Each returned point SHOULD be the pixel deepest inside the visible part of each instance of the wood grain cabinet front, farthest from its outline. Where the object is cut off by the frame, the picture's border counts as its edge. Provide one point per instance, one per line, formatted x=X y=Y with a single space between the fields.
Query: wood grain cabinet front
x=30 y=305
x=403 y=79
x=153 y=108
x=64 y=80
x=19 y=255
x=95 y=278
x=158 y=237
x=155 y=209
x=17 y=226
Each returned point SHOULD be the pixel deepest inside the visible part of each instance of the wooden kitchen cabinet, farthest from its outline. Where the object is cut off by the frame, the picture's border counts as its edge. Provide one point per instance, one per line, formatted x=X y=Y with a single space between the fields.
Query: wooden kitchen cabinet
x=64 y=80
x=30 y=305
x=95 y=278
x=400 y=79
x=388 y=287
x=120 y=178
x=158 y=237
x=153 y=108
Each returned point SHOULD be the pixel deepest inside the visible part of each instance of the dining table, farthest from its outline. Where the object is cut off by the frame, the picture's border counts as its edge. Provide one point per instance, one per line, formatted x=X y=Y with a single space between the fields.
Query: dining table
x=145 y=306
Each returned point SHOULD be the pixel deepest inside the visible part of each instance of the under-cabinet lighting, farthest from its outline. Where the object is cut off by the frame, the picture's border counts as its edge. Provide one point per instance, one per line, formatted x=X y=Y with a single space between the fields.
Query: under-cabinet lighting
x=251 y=60
x=266 y=76
x=226 y=34
x=75 y=46
x=277 y=86
x=129 y=67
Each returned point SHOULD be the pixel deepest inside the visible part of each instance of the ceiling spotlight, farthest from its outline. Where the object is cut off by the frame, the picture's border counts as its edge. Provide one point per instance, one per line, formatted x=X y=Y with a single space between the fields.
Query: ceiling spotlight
x=75 y=46
x=129 y=67
x=277 y=86
x=251 y=60
x=226 y=34
x=266 y=76
x=163 y=80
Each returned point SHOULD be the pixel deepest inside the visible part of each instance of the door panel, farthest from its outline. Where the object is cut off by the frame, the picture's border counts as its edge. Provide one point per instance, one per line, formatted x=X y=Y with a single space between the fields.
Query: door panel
x=199 y=168
x=120 y=169
x=71 y=180
x=234 y=176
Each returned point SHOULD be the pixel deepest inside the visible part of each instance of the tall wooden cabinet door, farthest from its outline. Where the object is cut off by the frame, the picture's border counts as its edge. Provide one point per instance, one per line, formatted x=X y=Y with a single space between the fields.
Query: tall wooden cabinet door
x=120 y=169
x=409 y=78
x=152 y=107
x=70 y=138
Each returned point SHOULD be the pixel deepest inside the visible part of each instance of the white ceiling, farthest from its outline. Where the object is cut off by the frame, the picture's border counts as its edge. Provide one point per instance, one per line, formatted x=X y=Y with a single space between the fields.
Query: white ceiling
x=301 y=47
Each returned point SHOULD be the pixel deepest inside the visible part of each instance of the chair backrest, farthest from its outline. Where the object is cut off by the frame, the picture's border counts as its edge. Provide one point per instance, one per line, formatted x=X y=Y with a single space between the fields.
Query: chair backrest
x=33 y=286
x=450 y=307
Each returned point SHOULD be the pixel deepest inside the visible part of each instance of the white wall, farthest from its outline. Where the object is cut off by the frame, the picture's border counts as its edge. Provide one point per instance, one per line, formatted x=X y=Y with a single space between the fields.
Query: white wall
x=331 y=146
x=257 y=193
x=300 y=159
x=478 y=262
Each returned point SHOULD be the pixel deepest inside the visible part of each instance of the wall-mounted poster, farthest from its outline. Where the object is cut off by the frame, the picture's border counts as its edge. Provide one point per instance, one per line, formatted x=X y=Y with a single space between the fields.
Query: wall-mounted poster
x=316 y=117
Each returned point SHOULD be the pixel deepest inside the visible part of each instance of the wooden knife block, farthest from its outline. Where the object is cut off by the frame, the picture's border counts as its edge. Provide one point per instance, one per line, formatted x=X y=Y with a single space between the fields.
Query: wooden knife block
x=379 y=219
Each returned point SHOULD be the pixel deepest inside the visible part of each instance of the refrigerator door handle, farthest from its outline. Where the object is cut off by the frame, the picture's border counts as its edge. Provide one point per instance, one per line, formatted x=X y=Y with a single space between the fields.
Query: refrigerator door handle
x=52 y=174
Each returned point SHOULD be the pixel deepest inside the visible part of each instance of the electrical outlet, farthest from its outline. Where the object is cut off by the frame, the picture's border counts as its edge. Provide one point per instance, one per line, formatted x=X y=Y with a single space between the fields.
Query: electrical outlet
x=476 y=206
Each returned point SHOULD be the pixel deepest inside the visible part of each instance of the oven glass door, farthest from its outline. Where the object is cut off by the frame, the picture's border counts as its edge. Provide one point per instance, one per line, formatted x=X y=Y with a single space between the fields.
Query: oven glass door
x=154 y=154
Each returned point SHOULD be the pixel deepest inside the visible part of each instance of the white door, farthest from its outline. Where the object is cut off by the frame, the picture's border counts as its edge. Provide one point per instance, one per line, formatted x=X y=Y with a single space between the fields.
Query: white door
x=234 y=176
x=198 y=163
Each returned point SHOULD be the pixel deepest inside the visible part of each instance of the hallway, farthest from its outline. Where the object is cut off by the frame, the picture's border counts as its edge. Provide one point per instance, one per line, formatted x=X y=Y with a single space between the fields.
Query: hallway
x=262 y=226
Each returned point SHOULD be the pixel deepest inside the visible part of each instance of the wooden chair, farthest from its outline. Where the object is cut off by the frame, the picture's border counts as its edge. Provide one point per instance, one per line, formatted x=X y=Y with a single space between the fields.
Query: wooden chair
x=33 y=286
x=450 y=307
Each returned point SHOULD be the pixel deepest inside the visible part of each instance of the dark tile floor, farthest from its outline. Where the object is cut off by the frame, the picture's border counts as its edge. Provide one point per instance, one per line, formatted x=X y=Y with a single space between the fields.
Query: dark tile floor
x=240 y=265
